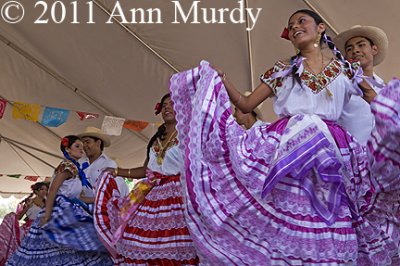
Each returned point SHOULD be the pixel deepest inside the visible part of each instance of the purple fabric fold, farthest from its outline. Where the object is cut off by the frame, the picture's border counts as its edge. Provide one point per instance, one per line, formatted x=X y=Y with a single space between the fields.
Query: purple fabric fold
x=223 y=176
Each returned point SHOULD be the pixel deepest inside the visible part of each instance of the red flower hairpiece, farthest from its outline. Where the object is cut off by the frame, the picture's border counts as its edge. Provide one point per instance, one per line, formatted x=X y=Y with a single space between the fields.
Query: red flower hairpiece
x=65 y=142
x=285 y=34
x=158 y=108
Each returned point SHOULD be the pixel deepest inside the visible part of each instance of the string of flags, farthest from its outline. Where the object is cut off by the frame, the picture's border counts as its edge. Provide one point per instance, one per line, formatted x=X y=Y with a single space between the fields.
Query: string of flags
x=54 y=117
x=29 y=177
x=130 y=183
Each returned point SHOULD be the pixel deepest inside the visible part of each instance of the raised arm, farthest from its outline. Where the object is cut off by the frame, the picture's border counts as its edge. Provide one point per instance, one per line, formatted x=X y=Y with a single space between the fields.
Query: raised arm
x=51 y=196
x=26 y=205
x=131 y=173
x=245 y=103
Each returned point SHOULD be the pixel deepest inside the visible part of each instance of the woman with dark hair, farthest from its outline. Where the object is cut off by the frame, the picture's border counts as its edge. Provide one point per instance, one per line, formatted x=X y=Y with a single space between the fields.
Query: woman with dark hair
x=63 y=233
x=299 y=191
x=11 y=233
x=31 y=206
x=148 y=226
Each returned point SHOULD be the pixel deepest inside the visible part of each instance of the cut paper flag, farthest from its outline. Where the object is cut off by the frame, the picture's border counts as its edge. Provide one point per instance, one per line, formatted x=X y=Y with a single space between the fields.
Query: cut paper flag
x=54 y=117
x=3 y=104
x=135 y=125
x=14 y=176
x=84 y=115
x=112 y=125
x=31 y=178
x=26 y=111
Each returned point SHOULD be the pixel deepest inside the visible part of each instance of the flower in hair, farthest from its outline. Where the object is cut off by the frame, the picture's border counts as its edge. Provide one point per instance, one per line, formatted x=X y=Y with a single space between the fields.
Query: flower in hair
x=285 y=34
x=158 y=108
x=65 y=142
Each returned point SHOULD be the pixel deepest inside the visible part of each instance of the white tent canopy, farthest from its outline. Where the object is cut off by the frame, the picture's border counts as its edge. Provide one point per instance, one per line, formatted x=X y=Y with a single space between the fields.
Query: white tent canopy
x=123 y=70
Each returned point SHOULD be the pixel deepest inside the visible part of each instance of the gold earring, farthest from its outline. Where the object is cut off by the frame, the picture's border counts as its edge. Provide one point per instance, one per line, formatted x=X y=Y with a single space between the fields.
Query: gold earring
x=318 y=40
x=296 y=51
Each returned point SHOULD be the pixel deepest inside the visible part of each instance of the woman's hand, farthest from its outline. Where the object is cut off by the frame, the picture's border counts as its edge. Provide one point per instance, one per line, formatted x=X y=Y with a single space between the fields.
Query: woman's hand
x=29 y=203
x=219 y=71
x=45 y=218
x=112 y=171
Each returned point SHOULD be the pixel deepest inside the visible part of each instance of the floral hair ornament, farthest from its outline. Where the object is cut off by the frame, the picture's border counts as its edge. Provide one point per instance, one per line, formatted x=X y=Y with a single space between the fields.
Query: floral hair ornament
x=158 y=108
x=65 y=142
x=285 y=34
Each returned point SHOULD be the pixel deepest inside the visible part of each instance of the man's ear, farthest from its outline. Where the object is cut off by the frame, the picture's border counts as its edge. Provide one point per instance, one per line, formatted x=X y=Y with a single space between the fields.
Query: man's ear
x=374 y=50
x=98 y=141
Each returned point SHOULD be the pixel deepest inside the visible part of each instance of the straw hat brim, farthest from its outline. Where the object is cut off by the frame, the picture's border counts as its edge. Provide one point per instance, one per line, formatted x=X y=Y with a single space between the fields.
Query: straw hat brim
x=88 y=133
x=376 y=35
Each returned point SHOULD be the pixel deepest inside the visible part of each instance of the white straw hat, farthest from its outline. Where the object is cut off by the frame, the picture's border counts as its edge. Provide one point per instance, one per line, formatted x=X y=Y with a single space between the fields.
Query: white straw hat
x=376 y=35
x=97 y=133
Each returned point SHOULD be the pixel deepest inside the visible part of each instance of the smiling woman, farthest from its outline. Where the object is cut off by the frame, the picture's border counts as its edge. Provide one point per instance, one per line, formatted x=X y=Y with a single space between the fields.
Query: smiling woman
x=299 y=191
x=11 y=232
x=148 y=226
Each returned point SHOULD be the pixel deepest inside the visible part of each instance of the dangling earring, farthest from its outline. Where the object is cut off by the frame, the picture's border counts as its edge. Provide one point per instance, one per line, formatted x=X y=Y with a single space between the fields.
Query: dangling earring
x=296 y=51
x=318 y=40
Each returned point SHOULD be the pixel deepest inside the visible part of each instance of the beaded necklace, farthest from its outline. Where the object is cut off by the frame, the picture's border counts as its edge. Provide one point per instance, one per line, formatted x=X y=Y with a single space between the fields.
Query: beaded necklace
x=160 y=152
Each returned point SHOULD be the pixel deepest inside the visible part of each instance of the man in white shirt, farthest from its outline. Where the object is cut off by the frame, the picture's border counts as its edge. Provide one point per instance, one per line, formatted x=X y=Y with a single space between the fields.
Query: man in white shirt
x=249 y=120
x=368 y=45
x=94 y=141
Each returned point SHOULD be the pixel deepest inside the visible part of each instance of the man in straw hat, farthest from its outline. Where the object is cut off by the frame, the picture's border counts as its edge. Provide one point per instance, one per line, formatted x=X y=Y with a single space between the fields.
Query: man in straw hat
x=368 y=45
x=94 y=141
x=249 y=120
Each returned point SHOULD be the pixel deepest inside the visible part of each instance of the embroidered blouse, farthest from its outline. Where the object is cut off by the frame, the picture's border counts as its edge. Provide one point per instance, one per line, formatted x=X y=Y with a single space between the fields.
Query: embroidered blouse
x=72 y=187
x=324 y=94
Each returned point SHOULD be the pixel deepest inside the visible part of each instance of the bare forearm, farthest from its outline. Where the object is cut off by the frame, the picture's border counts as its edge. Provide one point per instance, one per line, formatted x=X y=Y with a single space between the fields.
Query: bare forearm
x=23 y=212
x=247 y=103
x=134 y=173
x=234 y=95
x=53 y=190
x=49 y=204
x=87 y=200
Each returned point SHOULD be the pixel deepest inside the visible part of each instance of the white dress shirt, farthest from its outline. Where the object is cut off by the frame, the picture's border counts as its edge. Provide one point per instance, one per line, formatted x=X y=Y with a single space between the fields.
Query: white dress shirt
x=357 y=117
x=95 y=169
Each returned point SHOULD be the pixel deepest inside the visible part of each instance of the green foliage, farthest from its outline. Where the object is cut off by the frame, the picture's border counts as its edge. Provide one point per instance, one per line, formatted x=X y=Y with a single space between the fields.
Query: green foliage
x=8 y=205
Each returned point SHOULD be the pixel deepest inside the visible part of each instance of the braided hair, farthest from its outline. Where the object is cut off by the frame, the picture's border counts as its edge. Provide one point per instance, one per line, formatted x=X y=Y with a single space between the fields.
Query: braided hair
x=160 y=131
x=324 y=38
x=337 y=53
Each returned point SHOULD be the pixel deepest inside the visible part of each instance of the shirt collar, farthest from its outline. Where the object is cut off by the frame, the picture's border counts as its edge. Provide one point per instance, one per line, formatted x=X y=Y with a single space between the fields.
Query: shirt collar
x=86 y=159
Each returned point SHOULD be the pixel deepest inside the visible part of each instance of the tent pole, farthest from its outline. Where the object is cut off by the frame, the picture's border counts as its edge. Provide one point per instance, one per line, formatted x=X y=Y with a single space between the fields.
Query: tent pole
x=12 y=145
x=249 y=47
x=313 y=8
x=137 y=37
x=31 y=147
x=65 y=82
